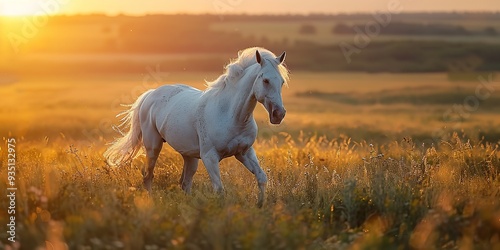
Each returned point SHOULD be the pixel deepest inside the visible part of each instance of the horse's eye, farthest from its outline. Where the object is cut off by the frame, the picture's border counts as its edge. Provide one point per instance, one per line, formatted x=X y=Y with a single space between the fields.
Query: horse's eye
x=266 y=81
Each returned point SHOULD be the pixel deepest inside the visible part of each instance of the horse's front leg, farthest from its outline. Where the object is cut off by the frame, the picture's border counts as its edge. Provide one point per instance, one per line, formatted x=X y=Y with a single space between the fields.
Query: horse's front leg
x=211 y=161
x=249 y=159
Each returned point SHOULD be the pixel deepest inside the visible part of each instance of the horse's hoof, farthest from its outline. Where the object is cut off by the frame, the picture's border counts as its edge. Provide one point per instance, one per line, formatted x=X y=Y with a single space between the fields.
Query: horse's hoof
x=260 y=204
x=147 y=186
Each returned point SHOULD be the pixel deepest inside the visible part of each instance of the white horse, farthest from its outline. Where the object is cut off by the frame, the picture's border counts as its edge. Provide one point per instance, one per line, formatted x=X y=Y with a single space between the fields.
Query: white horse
x=209 y=125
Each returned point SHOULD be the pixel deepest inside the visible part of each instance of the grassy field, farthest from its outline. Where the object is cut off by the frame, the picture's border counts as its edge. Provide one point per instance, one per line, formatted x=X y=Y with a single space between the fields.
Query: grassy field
x=347 y=169
x=372 y=107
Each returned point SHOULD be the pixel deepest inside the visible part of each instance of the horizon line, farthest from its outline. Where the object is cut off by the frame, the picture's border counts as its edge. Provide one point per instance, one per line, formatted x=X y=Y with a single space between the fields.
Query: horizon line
x=459 y=12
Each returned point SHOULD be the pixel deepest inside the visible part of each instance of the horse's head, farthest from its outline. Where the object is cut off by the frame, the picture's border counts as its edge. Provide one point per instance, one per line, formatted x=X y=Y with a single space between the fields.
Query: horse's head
x=267 y=86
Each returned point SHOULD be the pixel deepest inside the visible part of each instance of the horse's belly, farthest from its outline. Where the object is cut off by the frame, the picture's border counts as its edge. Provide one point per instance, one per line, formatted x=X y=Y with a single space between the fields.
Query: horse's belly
x=176 y=124
x=184 y=142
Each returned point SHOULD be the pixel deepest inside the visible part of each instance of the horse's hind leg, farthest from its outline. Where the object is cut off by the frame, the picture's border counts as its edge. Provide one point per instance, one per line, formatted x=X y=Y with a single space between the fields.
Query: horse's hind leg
x=153 y=144
x=189 y=169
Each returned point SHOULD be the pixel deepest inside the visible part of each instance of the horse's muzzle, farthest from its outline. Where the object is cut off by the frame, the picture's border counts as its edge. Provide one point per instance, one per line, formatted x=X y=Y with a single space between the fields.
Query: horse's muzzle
x=277 y=114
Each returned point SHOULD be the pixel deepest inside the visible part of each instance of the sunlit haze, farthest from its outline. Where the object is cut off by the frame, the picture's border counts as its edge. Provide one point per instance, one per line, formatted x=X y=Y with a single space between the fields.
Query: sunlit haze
x=133 y=7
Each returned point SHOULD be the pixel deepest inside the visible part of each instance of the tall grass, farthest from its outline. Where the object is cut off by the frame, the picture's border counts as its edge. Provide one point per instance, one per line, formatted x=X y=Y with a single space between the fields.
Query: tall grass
x=322 y=194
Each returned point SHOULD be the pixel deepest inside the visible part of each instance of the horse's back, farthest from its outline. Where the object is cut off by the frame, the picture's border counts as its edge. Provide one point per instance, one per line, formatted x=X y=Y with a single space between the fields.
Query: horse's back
x=171 y=111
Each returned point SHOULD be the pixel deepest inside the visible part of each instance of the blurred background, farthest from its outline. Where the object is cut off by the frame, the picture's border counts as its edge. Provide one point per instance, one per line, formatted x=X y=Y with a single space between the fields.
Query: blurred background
x=376 y=71
x=391 y=138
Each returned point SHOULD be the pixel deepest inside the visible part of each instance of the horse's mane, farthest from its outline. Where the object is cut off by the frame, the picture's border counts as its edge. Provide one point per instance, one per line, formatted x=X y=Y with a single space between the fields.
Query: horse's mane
x=236 y=67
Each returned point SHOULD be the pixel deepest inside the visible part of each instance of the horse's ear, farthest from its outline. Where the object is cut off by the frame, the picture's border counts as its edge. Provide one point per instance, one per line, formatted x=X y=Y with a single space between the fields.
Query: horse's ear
x=281 y=58
x=257 y=56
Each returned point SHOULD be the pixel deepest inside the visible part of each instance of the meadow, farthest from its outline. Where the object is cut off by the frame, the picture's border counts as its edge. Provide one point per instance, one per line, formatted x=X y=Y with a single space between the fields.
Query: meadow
x=357 y=164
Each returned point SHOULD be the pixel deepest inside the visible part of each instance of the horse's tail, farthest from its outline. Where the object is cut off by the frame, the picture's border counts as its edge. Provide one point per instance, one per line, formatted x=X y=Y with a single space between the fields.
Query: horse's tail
x=129 y=145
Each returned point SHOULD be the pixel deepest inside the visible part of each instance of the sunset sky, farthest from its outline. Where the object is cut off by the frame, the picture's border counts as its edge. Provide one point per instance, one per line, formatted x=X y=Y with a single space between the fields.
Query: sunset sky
x=136 y=7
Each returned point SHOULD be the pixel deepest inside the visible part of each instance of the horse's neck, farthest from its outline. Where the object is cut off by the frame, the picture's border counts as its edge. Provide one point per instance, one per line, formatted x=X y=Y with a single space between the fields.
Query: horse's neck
x=242 y=99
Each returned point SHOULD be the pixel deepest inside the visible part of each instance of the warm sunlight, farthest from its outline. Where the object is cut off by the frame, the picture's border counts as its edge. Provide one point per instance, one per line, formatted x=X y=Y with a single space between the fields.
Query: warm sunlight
x=20 y=8
x=133 y=7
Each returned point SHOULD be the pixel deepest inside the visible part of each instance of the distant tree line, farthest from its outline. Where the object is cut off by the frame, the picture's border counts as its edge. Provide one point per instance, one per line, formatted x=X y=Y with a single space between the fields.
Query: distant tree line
x=402 y=28
x=427 y=16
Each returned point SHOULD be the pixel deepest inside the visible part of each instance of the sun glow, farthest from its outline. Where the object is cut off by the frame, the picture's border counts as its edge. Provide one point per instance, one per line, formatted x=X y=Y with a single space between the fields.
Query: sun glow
x=20 y=8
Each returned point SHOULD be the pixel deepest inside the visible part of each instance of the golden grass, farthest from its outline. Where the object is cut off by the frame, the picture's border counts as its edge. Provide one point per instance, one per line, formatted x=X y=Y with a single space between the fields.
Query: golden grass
x=321 y=194
x=324 y=192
